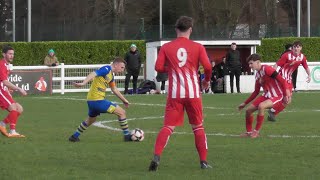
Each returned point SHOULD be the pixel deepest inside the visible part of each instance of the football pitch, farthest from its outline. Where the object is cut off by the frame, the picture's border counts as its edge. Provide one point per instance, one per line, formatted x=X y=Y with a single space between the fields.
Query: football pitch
x=287 y=149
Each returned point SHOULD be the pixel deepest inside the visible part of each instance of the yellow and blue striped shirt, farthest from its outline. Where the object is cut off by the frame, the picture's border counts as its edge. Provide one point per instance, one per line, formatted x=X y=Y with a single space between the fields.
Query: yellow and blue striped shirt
x=99 y=85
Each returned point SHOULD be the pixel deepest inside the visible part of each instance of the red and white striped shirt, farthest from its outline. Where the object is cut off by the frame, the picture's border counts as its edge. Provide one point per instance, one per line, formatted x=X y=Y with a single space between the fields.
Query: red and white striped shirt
x=289 y=63
x=180 y=58
x=272 y=86
x=4 y=72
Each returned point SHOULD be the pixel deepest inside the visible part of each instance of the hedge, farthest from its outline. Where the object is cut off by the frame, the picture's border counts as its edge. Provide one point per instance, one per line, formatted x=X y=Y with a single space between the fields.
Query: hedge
x=73 y=52
x=102 y=52
x=272 y=48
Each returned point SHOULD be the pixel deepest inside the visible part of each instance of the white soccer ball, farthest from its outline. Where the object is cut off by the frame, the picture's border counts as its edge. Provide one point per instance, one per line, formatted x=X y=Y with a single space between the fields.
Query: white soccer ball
x=137 y=135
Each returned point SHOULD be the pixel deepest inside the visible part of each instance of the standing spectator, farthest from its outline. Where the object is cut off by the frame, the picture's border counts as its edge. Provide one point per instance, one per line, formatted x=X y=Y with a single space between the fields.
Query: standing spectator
x=51 y=59
x=180 y=58
x=288 y=63
x=6 y=100
x=96 y=101
x=233 y=64
x=162 y=77
x=133 y=60
x=275 y=89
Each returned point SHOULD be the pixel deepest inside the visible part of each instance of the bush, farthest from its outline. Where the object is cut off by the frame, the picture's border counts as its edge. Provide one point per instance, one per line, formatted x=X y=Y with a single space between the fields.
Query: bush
x=73 y=52
x=271 y=48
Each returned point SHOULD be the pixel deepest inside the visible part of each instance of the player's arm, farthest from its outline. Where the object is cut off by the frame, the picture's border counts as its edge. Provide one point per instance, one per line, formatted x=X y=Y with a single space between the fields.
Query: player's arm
x=253 y=95
x=14 y=87
x=281 y=61
x=115 y=91
x=306 y=67
x=86 y=80
x=161 y=60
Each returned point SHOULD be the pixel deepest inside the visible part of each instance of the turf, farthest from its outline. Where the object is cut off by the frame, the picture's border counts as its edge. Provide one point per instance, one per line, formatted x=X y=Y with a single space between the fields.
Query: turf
x=287 y=149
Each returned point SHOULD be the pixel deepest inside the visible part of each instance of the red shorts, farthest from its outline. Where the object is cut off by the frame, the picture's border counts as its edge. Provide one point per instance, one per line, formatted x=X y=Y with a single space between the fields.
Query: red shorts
x=174 y=114
x=5 y=99
x=261 y=99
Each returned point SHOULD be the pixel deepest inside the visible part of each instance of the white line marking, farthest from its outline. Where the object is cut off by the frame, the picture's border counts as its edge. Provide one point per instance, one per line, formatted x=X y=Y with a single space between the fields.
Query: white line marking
x=140 y=104
x=101 y=124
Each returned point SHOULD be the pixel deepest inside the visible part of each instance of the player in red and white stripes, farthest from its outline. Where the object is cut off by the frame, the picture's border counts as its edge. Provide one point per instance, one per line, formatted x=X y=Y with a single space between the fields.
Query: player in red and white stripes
x=275 y=89
x=180 y=58
x=287 y=64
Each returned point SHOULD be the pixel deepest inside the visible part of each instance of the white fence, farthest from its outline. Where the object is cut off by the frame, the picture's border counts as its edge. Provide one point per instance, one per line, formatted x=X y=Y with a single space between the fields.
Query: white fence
x=63 y=76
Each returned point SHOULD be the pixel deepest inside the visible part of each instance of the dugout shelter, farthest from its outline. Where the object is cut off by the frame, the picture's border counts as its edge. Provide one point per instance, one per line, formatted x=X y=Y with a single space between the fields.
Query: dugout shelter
x=216 y=50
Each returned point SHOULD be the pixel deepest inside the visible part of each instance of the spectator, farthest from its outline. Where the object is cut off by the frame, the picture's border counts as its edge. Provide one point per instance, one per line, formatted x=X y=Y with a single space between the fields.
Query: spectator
x=162 y=77
x=217 y=78
x=51 y=59
x=133 y=60
x=233 y=64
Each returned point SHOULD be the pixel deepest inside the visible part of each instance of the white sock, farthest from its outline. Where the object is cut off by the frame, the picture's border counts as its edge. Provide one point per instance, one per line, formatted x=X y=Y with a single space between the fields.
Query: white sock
x=2 y=124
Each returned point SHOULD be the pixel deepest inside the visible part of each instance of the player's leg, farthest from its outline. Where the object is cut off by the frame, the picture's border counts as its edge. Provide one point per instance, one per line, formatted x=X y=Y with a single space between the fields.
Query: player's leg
x=122 y=118
x=195 y=114
x=249 y=115
x=95 y=108
x=5 y=102
x=278 y=107
x=260 y=116
x=249 y=120
x=173 y=117
x=82 y=128
x=294 y=80
x=15 y=110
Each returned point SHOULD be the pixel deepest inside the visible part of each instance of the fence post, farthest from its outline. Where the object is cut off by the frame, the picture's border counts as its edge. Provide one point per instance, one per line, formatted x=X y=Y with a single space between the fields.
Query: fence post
x=62 y=72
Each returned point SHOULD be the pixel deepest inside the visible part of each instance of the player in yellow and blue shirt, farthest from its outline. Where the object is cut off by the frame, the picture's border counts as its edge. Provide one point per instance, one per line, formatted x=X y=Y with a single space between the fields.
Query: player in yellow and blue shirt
x=96 y=98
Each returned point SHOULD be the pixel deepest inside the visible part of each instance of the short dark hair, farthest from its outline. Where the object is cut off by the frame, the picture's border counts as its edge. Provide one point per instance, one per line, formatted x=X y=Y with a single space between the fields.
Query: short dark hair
x=254 y=57
x=119 y=60
x=287 y=46
x=297 y=43
x=184 y=23
x=6 y=48
x=233 y=43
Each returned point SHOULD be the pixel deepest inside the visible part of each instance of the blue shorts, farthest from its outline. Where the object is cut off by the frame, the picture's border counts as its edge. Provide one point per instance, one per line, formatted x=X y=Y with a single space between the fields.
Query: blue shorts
x=101 y=106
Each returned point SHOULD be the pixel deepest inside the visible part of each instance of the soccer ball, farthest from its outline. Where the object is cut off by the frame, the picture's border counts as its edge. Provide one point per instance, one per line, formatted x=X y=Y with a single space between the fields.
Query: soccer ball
x=137 y=135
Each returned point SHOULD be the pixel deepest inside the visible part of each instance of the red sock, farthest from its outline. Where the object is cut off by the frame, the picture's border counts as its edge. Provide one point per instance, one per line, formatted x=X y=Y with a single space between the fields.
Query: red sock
x=278 y=107
x=259 y=122
x=200 y=140
x=13 y=118
x=162 y=140
x=249 y=121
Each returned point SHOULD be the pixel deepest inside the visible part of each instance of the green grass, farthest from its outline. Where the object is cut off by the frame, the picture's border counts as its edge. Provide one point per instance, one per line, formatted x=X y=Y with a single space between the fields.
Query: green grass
x=48 y=121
